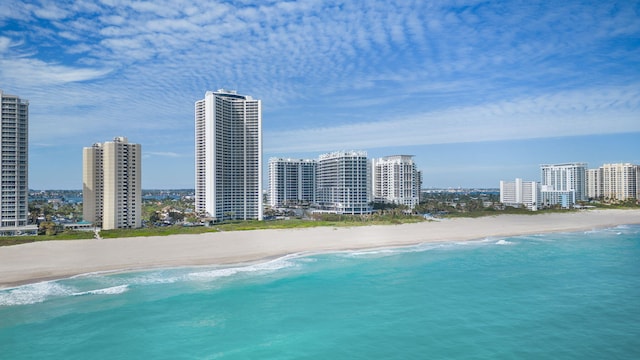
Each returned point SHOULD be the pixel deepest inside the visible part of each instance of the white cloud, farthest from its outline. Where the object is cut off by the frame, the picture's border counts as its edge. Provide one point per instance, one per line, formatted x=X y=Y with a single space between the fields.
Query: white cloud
x=50 y=11
x=169 y=154
x=601 y=111
x=5 y=42
x=21 y=72
x=450 y=75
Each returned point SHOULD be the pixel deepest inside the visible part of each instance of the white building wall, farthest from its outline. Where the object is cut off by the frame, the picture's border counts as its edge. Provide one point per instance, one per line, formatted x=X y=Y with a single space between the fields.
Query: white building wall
x=292 y=181
x=14 y=147
x=517 y=193
x=229 y=156
x=566 y=177
x=396 y=180
x=343 y=182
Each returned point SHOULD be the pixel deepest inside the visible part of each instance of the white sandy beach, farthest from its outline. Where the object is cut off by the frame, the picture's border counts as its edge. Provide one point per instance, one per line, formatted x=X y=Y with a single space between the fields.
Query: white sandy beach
x=47 y=260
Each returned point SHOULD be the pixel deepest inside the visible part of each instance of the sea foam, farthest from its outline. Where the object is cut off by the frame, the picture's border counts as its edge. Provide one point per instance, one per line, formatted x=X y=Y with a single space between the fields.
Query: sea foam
x=114 y=290
x=33 y=293
x=268 y=266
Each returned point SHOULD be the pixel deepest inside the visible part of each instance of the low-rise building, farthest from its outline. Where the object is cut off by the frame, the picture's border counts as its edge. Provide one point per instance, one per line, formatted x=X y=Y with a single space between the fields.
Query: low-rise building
x=520 y=193
x=292 y=181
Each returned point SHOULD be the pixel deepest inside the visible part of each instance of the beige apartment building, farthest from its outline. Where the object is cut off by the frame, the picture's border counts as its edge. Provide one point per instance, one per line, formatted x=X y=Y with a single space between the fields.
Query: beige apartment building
x=620 y=182
x=111 y=184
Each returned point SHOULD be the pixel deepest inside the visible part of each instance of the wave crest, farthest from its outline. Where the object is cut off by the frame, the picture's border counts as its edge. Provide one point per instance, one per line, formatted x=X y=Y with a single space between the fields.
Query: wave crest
x=33 y=293
x=114 y=290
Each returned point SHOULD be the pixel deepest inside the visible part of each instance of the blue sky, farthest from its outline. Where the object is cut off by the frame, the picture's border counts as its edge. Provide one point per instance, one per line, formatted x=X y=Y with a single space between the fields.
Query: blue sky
x=478 y=91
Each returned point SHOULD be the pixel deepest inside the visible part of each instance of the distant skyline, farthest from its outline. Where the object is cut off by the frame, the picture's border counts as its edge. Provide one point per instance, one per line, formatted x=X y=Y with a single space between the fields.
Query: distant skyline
x=477 y=91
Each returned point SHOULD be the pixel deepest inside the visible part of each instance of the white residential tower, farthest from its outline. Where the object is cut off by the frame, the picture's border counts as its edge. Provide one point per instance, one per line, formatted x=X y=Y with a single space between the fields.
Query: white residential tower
x=395 y=180
x=292 y=181
x=520 y=193
x=14 y=147
x=563 y=184
x=343 y=182
x=228 y=136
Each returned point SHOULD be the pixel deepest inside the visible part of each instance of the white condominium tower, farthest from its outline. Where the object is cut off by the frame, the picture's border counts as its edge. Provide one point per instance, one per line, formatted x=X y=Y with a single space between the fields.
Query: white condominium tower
x=343 y=182
x=396 y=180
x=228 y=156
x=518 y=193
x=292 y=181
x=14 y=147
x=111 y=184
x=565 y=179
x=620 y=182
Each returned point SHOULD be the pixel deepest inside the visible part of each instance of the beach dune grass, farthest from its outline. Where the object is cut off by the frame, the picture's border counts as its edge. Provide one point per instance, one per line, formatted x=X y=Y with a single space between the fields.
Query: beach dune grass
x=330 y=221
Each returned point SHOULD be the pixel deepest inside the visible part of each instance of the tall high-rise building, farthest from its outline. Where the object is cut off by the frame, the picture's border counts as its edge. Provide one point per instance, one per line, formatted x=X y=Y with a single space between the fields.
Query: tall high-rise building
x=396 y=180
x=228 y=156
x=14 y=146
x=520 y=193
x=111 y=184
x=566 y=182
x=620 y=182
x=292 y=181
x=343 y=182
x=594 y=183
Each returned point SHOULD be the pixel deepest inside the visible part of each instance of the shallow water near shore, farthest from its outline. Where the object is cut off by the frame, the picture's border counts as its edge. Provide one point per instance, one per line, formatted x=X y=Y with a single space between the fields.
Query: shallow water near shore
x=567 y=295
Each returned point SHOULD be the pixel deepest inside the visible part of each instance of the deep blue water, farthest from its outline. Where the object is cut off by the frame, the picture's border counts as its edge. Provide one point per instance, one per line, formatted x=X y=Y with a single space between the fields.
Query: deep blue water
x=552 y=296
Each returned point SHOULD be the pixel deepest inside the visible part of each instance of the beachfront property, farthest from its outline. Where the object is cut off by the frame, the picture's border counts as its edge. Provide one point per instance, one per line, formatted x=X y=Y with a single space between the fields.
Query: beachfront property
x=343 y=182
x=292 y=181
x=395 y=180
x=594 y=183
x=228 y=154
x=111 y=184
x=563 y=184
x=614 y=182
x=520 y=193
x=14 y=146
x=620 y=182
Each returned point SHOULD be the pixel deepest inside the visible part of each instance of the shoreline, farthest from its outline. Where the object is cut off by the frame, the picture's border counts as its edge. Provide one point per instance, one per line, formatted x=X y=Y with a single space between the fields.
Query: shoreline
x=51 y=260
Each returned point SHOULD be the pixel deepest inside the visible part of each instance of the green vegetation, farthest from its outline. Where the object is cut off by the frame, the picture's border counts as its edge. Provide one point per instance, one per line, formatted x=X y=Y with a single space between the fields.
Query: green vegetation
x=66 y=235
x=629 y=204
x=332 y=220
x=154 y=231
x=507 y=210
x=158 y=215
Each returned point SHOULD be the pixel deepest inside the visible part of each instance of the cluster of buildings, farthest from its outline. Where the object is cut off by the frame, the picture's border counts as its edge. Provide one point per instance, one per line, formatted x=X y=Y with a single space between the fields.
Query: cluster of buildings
x=228 y=174
x=228 y=178
x=344 y=182
x=567 y=185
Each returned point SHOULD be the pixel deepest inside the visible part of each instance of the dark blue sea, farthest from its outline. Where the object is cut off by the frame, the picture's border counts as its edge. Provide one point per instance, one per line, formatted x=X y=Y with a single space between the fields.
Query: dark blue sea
x=551 y=296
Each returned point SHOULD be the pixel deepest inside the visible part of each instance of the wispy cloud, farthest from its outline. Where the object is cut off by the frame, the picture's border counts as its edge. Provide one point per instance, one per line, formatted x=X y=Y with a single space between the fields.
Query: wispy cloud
x=599 y=111
x=36 y=72
x=325 y=70
x=162 y=154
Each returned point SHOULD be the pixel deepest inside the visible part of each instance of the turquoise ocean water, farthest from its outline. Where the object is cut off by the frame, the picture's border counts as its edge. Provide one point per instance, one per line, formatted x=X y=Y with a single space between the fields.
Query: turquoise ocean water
x=552 y=296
